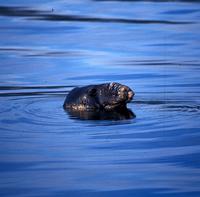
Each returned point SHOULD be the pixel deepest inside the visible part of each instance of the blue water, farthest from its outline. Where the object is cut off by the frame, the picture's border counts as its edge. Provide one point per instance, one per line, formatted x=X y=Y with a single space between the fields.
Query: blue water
x=49 y=47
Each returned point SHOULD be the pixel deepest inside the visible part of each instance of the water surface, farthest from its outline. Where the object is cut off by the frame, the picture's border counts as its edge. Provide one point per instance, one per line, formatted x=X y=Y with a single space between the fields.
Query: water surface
x=49 y=47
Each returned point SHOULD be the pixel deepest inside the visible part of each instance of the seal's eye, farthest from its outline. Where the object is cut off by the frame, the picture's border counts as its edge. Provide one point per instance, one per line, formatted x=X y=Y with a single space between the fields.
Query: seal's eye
x=114 y=94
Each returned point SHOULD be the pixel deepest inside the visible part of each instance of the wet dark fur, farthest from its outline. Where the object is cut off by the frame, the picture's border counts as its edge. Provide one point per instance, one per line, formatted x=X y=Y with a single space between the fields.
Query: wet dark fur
x=107 y=97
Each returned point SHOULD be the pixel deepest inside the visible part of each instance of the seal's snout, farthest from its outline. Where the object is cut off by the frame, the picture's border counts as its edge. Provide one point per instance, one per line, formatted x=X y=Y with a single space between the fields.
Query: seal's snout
x=130 y=95
x=125 y=93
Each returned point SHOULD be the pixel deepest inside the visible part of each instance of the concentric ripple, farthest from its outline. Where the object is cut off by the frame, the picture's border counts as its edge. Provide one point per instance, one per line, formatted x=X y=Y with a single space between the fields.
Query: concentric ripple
x=37 y=110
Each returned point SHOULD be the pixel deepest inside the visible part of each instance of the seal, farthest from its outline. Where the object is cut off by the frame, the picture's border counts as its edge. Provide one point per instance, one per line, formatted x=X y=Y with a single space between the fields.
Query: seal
x=107 y=97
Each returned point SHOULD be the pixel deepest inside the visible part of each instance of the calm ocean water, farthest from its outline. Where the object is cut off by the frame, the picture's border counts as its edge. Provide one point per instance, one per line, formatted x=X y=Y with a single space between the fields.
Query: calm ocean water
x=49 y=47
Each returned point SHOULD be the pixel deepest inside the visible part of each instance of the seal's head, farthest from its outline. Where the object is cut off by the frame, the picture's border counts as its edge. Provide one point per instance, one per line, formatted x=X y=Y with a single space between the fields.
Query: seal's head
x=114 y=95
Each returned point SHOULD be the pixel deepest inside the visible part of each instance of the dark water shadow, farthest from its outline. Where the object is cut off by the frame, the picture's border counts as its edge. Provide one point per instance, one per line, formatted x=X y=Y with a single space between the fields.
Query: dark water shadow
x=183 y=108
x=49 y=15
x=122 y=114
x=28 y=52
x=155 y=1
x=34 y=87
x=9 y=91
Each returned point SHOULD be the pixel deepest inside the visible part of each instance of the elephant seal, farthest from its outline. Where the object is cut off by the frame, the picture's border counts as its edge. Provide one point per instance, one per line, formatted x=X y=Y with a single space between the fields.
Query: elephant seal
x=103 y=97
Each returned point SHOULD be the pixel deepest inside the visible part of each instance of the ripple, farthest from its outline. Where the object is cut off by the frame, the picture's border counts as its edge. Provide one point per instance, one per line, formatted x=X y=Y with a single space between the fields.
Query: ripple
x=34 y=111
x=32 y=87
x=121 y=76
x=12 y=91
x=48 y=15
x=156 y=63
x=31 y=52
x=184 y=108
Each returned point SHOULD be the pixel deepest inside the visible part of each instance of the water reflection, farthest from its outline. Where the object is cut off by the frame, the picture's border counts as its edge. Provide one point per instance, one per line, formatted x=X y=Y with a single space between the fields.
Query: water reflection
x=122 y=114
